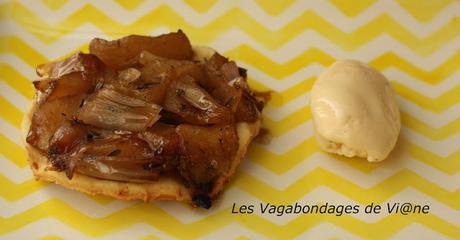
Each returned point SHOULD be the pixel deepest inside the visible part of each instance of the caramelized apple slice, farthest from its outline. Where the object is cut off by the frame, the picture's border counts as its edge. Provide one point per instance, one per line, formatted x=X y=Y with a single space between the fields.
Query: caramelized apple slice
x=206 y=152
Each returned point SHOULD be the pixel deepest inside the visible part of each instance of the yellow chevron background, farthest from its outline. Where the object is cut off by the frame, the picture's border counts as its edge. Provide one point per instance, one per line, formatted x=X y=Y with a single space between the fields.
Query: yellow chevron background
x=285 y=45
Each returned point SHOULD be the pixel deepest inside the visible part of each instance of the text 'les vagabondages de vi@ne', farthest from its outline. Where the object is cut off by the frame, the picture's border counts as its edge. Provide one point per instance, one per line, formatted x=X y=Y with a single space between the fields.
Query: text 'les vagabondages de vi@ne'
x=402 y=208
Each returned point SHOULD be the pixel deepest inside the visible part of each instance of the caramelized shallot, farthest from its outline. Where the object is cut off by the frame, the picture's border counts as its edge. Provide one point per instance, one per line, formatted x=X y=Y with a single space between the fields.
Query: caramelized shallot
x=110 y=109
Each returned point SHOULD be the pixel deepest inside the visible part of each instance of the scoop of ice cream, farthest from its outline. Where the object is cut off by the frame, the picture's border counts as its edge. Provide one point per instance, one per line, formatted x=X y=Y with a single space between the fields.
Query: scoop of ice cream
x=355 y=112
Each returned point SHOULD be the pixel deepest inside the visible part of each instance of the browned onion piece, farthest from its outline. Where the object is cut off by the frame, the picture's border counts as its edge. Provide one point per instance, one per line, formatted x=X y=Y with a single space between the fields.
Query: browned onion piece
x=121 y=52
x=226 y=85
x=117 y=157
x=49 y=116
x=206 y=152
x=188 y=100
x=75 y=75
x=128 y=75
x=66 y=137
x=69 y=84
x=58 y=69
x=78 y=62
x=110 y=109
x=214 y=83
x=195 y=95
x=127 y=170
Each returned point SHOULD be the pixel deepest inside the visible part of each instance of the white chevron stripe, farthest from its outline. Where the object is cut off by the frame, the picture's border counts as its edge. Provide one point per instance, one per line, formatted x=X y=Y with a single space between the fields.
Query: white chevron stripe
x=392 y=73
x=324 y=9
x=311 y=39
x=11 y=132
x=312 y=70
x=12 y=172
x=297 y=135
x=418 y=231
x=281 y=112
x=443 y=147
x=233 y=231
x=325 y=230
x=430 y=90
x=319 y=195
x=19 y=65
x=395 y=163
x=18 y=100
x=282 y=144
x=302 y=42
x=76 y=200
x=64 y=45
x=50 y=226
x=436 y=120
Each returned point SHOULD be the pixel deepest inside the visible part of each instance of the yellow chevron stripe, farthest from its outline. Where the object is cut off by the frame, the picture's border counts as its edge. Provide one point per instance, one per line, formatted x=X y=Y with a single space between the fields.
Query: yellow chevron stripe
x=449 y=164
x=17 y=81
x=13 y=192
x=438 y=105
x=201 y=6
x=313 y=55
x=433 y=133
x=308 y=20
x=278 y=71
x=274 y=7
x=352 y=9
x=314 y=179
x=129 y=5
x=150 y=214
x=392 y=223
x=424 y=10
x=13 y=152
x=242 y=238
x=150 y=237
x=11 y=113
x=51 y=237
x=54 y=4
x=278 y=128
x=13 y=44
x=435 y=76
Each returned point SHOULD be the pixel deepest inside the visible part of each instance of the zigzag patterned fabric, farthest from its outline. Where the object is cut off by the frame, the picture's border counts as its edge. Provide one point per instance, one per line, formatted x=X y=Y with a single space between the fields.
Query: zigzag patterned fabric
x=284 y=45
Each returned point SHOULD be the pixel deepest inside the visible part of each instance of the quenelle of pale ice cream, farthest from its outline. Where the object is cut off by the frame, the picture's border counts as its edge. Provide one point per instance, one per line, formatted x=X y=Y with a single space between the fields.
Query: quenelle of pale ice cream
x=355 y=112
